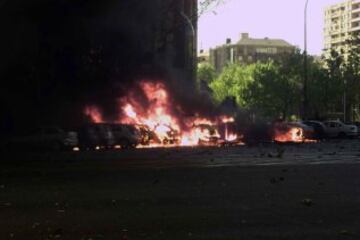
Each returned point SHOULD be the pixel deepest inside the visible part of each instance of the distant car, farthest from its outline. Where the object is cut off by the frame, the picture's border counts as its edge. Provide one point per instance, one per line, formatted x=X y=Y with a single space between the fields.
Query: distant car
x=357 y=124
x=44 y=138
x=319 y=128
x=339 y=129
x=125 y=135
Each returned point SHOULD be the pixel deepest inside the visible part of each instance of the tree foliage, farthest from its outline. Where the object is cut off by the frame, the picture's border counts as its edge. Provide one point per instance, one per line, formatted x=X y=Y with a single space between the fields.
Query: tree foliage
x=232 y=82
x=275 y=88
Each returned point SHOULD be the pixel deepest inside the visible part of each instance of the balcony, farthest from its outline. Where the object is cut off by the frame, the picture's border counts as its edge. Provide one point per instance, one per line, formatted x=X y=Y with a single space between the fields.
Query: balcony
x=354 y=29
x=355 y=19
x=355 y=10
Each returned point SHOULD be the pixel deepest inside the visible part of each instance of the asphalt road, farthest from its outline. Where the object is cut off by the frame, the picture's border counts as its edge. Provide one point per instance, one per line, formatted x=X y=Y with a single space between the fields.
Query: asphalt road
x=268 y=191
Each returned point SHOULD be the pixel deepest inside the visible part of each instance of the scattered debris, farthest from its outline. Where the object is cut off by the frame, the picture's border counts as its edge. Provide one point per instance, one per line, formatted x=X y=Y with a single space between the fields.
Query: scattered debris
x=35 y=225
x=58 y=233
x=307 y=202
x=344 y=232
x=273 y=180
x=331 y=154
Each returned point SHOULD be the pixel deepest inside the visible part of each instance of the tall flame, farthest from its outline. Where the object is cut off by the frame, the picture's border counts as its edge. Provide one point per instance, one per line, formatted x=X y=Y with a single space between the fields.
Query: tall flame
x=160 y=117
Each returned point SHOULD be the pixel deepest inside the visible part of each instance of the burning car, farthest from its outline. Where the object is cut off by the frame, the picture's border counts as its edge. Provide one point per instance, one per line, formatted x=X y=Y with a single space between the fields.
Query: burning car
x=291 y=132
x=95 y=136
x=125 y=135
x=207 y=134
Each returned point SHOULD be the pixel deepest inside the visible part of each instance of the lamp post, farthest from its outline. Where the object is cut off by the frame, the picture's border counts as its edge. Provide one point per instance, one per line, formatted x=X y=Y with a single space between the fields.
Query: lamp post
x=305 y=87
x=193 y=32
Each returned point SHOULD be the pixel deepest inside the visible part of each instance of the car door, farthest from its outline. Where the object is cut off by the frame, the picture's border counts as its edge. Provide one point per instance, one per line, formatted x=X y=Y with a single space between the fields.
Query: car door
x=332 y=129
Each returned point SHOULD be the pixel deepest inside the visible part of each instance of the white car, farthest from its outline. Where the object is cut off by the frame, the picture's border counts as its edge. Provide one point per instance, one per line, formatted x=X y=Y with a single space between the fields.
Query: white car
x=340 y=129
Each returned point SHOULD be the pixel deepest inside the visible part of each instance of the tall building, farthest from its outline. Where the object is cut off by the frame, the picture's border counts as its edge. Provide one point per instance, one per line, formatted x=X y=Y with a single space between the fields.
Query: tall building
x=248 y=50
x=53 y=51
x=341 y=21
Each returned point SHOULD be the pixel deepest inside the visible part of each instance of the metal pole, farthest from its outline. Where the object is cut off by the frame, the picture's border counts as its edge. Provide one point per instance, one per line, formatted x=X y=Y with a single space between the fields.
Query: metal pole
x=194 y=63
x=344 y=100
x=305 y=87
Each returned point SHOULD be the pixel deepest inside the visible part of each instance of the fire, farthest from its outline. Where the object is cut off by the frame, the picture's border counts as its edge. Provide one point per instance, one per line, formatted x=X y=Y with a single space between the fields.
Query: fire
x=293 y=134
x=152 y=111
x=226 y=119
x=94 y=114
x=231 y=137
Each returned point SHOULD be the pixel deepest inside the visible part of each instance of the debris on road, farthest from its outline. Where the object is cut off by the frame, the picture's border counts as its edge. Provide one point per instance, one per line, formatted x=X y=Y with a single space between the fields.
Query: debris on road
x=307 y=202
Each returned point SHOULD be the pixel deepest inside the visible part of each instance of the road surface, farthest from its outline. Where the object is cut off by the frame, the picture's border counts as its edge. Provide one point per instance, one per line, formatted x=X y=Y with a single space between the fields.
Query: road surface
x=267 y=191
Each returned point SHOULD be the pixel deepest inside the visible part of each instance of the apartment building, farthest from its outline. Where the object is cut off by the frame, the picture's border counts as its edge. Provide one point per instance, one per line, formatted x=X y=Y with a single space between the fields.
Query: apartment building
x=341 y=21
x=249 y=50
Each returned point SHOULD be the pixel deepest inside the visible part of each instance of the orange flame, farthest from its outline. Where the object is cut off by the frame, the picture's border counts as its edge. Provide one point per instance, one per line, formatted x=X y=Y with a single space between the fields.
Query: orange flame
x=159 y=118
x=293 y=134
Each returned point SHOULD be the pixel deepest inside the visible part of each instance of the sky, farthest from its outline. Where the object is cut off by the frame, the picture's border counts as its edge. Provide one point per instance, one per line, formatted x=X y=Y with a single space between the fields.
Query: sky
x=282 y=19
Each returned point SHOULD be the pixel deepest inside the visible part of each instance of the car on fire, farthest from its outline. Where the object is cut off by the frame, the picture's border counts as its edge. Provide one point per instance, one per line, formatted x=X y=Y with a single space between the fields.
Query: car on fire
x=208 y=134
x=44 y=138
x=307 y=130
x=125 y=135
x=336 y=128
x=283 y=131
x=95 y=136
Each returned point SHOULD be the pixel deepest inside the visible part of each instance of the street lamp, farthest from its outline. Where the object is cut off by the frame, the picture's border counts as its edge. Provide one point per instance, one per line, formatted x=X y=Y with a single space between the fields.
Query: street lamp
x=305 y=87
x=193 y=32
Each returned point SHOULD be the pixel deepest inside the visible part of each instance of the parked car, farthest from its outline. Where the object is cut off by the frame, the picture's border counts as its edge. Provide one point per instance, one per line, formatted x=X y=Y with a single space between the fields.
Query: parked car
x=125 y=135
x=95 y=136
x=208 y=134
x=339 y=129
x=308 y=131
x=282 y=131
x=357 y=124
x=319 y=128
x=44 y=138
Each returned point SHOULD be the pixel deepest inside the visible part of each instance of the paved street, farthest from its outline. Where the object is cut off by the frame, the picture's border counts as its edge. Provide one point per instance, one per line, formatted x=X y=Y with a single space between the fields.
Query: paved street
x=309 y=191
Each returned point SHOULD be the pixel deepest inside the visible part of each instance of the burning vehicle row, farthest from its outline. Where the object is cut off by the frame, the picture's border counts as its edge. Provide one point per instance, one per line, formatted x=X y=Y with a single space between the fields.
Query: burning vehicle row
x=157 y=121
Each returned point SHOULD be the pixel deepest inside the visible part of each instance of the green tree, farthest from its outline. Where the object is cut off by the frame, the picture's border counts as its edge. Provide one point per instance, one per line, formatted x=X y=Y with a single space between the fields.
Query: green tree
x=351 y=75
x=206 y=73
x=318 y=90
x=276 y=89
x=334 y=87
x=232 y=82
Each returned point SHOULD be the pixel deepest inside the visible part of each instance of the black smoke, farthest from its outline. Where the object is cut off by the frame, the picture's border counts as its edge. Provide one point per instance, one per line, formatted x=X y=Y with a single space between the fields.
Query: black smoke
x=59 y=56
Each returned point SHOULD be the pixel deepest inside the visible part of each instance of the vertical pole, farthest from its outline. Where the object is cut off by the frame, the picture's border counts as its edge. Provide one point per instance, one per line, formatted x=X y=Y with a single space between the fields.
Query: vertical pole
x=305 y=87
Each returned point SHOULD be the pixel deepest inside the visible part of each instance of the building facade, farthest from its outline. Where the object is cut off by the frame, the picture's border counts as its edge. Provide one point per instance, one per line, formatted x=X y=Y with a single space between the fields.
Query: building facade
x=342 y=20
x=248 y=50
